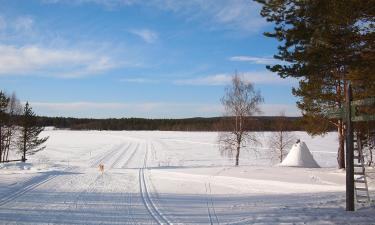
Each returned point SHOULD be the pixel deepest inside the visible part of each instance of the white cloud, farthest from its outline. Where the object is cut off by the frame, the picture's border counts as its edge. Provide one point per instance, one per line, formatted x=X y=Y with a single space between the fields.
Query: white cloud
x=276 y=109
x=106 y=3
x=118 y=110
x=24 y=23
x=218 y=79
x=3 y=24
x=224 y=79
x=254 y=60
x=233 y=14
x=147 y=109
x=51 y=62
x=138 y=80
x=74 y=106
x=147 y=35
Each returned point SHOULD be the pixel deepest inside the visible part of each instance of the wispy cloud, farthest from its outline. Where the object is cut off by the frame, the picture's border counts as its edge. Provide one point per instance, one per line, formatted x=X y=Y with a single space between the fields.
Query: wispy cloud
x=106 y=3
x=276 y=109
x=24 y=23
x=3 y=24
x=254 y=60
x=119 y=110
x=139 y=80
x=232 y=14
x=73 y=106
x=224 y=79
x=218 y=79
x=159 y=109
x=147 y=35
x=36 y=60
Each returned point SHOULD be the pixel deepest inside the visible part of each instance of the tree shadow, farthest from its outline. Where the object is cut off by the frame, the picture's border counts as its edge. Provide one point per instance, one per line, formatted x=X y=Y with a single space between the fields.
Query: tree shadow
x=96 y=207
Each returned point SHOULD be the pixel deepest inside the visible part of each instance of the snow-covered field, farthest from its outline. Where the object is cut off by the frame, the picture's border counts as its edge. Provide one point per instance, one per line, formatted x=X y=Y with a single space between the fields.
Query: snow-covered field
x=171 y=178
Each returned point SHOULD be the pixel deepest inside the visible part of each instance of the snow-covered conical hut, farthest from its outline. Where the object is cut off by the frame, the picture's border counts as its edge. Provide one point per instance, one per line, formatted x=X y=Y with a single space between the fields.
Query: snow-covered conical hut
x=300 y=156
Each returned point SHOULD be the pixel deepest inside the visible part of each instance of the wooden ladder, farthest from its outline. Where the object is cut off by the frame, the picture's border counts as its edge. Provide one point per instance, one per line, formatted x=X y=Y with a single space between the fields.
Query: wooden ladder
x=360 y=180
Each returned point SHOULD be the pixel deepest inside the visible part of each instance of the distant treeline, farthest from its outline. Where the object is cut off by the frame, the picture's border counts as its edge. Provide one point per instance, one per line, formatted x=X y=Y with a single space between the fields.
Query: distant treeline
x=262 y=123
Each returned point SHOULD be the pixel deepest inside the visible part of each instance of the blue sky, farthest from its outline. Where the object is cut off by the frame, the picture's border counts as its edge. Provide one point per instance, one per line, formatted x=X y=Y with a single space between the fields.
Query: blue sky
x=134 y=58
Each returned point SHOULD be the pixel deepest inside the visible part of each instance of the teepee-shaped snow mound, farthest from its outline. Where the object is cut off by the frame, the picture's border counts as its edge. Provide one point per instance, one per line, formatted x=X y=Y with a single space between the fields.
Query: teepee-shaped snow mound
x=300 y=156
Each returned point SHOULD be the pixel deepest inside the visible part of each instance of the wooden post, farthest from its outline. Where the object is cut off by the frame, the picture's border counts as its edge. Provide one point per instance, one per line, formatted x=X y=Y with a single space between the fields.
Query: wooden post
x=349 y=153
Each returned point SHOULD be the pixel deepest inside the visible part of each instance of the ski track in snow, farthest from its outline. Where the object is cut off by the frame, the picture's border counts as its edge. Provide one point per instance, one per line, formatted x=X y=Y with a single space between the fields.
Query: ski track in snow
x=34 y=183
x=171 y=178
x=146 y=196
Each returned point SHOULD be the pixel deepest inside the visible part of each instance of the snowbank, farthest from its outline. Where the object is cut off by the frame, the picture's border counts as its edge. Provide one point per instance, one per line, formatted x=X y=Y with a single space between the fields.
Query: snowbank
x=300 y=156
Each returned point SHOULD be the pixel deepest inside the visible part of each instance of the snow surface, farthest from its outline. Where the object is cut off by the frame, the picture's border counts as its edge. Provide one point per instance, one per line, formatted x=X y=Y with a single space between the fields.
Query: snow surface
x=300 y=156
x=172 y=178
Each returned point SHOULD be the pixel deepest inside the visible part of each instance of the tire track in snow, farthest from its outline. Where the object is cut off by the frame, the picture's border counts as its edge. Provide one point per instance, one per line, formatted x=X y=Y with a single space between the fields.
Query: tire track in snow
x=146 y=198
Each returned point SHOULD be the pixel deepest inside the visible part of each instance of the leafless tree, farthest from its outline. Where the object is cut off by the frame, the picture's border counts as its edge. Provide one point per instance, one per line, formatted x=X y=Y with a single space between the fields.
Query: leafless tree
x=4 y=101
x=14 y=110
x=240 y=102
x=281 y=140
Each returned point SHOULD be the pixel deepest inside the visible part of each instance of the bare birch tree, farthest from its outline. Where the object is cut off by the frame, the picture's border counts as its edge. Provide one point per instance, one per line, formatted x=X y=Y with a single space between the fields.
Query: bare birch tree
x=241 y=102
x=4 y=101
x=282 y=139
x=14 y=110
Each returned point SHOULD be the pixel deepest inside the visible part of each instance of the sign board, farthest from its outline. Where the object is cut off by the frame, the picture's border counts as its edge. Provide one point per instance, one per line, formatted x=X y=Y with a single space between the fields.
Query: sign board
x=361 y=110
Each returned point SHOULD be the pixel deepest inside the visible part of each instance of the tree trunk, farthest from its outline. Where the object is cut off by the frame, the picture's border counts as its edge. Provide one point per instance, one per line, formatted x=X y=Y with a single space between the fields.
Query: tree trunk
x=341 y=149
x=281 y=146
x=24 y=146
x=1 y=144
x=238 y=155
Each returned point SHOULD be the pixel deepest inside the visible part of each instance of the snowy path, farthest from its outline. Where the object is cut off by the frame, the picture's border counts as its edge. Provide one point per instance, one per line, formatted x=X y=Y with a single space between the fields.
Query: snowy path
x=151 y=178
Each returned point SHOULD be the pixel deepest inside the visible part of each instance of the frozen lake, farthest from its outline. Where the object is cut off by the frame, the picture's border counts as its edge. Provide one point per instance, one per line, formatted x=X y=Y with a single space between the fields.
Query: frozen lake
x=154 y=177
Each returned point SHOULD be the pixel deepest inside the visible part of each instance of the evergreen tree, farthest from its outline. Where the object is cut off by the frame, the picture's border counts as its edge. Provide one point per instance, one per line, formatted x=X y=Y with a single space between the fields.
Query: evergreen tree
x=325 y=44
x=29 y=141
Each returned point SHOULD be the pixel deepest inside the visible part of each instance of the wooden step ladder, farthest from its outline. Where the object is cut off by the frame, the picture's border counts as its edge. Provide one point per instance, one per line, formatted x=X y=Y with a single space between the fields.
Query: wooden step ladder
x=360 y=180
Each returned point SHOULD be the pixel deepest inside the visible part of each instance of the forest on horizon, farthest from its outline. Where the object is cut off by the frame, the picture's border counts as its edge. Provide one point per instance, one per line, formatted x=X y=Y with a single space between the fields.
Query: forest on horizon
x=258 y=123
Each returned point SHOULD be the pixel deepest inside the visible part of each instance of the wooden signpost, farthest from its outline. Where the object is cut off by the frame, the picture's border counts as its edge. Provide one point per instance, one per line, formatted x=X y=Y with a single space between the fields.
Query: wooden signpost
x=353 y=111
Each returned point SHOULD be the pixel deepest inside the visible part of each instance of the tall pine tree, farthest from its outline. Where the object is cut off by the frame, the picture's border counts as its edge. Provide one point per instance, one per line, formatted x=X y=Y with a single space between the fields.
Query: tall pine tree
x=325 y=44
x=29 y=142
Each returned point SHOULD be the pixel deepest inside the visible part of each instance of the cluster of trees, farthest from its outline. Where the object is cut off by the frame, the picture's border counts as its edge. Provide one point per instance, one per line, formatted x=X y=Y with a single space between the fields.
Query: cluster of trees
x=255 y=123
x=325 y=45
x=241 y=103
x=19 y=130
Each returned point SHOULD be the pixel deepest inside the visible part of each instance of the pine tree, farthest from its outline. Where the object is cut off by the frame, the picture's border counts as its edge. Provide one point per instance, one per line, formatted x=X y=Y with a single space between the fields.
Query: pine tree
x=325 y=44
x=29 y=141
